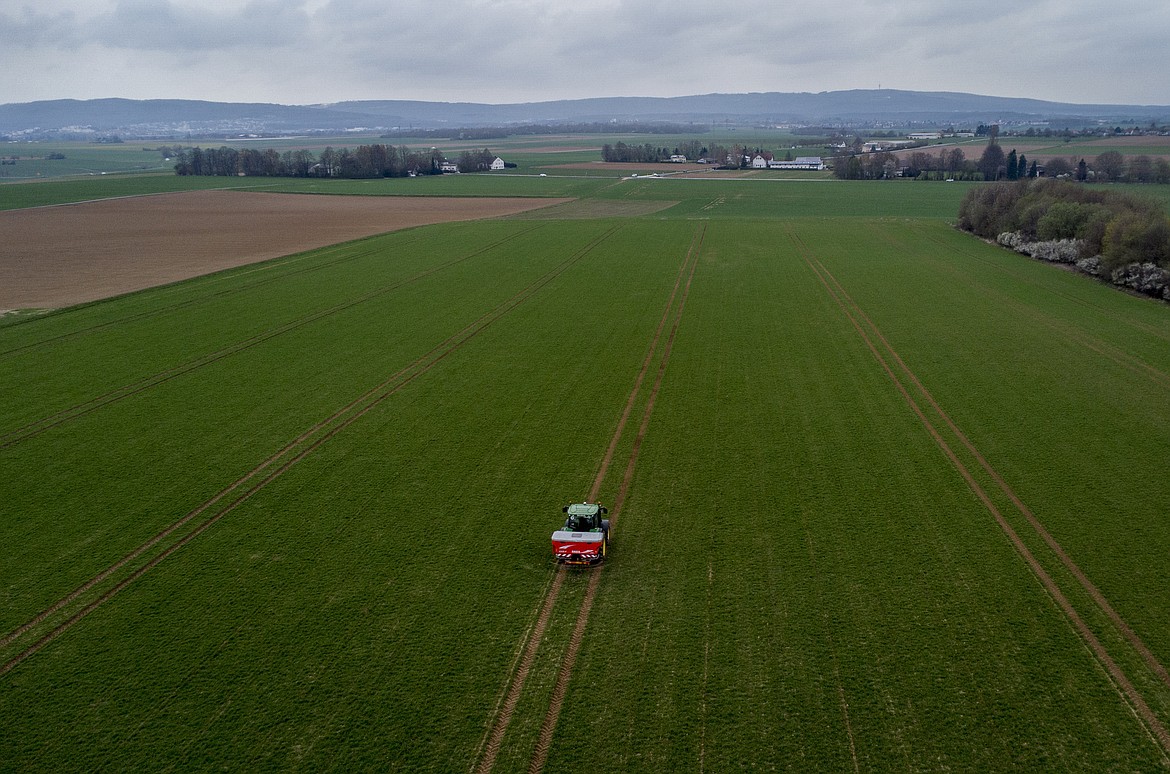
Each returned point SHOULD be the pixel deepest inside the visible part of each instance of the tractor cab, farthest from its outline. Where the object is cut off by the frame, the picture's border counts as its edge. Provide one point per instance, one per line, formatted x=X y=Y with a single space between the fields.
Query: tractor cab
x=584 y=517
x=585 y=537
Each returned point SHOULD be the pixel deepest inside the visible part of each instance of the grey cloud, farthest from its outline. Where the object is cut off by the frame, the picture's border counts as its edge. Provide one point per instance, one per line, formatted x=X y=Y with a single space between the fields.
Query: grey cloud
x=527 y=50
x=167 y=26
x=148 y=25
x=29 y=28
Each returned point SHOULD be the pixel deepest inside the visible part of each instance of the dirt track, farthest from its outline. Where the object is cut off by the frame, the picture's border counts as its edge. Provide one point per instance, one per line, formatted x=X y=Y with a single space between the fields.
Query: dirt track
x=58 y=256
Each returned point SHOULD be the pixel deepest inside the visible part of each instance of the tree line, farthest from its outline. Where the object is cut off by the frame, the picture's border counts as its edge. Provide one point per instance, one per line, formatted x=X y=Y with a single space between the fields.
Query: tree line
x=642 y=154
x=1107 y=167
x=723 y=157
x=995 y=165
x=364 y=161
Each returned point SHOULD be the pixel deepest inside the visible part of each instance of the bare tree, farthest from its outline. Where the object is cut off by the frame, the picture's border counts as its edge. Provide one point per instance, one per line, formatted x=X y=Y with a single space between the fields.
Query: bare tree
x=1109 y=165
x=1057 y=166
x=992 y=163
x=1141 y=170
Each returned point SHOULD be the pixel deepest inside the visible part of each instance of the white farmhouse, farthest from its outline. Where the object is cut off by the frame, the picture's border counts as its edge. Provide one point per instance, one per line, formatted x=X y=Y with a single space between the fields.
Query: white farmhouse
x=678 y=158
x=759 y=162
x=497 y=163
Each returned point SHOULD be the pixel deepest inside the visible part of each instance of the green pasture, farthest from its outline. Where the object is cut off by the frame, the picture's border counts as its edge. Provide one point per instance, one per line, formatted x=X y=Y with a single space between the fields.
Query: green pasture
x=800 y=577
x=39 y=194
x=80 y=159
x=1093 y=148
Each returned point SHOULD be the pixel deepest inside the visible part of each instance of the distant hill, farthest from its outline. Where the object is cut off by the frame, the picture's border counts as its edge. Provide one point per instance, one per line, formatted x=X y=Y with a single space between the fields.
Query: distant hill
x=178 y=118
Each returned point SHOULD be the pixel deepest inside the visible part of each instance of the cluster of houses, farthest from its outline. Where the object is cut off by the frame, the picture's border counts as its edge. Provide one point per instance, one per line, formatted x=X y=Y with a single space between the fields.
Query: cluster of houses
x=451 y=166
x=765 y=161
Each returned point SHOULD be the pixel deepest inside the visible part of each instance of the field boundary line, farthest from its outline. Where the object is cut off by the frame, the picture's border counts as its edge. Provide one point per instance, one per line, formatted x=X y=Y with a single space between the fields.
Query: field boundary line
x=328 y=427
x=560 y=689
x=1090 y=588
x=493 y=738
x=32 y=429
x=1125 y=689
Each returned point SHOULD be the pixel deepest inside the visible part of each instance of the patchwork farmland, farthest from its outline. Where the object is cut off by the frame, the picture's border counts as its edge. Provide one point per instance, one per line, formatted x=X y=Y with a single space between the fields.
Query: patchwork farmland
x=884 y=497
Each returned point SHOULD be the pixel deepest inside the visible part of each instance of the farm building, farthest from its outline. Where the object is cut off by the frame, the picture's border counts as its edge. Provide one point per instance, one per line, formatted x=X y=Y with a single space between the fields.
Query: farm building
x=801 y=162
x=497 y=163
x=678 y=158
x=449 y=166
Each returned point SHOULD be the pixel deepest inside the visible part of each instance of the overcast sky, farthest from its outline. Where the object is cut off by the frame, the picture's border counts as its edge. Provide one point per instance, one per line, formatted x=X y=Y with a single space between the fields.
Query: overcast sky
x=497 y=51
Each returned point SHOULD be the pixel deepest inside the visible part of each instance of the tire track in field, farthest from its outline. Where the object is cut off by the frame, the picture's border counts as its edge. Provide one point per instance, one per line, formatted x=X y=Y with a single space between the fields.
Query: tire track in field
x=871 y=334
x=1090 y=588
x=32 y=429
x=706 y=668
x=560 y=689
x=827 y=633
x=279 y=463
x=489 y=747
x=278 y=263
x=1066 y=329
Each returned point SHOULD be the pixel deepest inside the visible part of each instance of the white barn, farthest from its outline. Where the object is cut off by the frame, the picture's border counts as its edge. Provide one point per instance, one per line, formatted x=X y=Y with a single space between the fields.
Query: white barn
x=800 y=162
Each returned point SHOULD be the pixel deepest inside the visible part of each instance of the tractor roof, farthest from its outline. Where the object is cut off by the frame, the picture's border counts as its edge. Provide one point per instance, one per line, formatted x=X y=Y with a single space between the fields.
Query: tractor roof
x=583 y=509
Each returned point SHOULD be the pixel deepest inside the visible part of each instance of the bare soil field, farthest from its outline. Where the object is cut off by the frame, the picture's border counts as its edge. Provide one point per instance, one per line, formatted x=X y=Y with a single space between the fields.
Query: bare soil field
x=52 y=257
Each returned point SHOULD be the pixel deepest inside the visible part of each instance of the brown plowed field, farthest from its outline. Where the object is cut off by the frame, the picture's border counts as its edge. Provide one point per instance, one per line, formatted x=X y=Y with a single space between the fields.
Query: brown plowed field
x=58 y=256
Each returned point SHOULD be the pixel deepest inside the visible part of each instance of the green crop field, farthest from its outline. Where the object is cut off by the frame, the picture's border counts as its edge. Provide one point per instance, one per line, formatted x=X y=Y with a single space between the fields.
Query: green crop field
x=18 y=195
x=884 y=497
x=43 y=160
